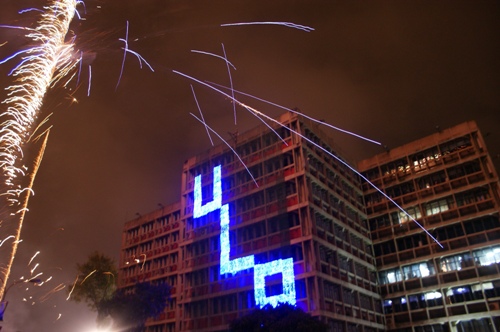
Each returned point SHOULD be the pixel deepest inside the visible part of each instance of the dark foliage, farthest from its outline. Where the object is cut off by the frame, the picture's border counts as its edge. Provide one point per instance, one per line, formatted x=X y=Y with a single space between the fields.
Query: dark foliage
x=283 y=318
x=132 y=307
x=96 y=282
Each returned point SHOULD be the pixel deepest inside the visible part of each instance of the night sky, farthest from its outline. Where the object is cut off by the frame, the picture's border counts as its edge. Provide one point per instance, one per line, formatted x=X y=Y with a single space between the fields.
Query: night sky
x=389 y=70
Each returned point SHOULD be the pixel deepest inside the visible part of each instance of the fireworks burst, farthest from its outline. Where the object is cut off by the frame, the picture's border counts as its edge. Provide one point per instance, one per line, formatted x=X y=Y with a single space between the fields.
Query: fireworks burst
x=41 y=67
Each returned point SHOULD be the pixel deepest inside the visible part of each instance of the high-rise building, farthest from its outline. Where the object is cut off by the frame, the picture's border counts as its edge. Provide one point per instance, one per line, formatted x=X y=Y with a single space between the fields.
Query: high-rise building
x=447 y=182
x=297 y=226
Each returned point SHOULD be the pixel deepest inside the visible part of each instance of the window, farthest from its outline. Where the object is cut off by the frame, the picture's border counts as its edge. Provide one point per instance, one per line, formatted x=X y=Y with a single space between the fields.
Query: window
x=485 y=257
x=420 y=270
x=453 y=263
x=390 y=276
x=438 y=206
x=413 y=212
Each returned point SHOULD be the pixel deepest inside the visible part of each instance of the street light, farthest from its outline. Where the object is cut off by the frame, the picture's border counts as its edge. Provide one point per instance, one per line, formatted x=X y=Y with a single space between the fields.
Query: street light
x=3 y=303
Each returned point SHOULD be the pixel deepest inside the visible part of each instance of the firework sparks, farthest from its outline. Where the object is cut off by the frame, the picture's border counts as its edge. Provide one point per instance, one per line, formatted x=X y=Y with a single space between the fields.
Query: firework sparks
x=216 y=56
x=90 y=80
x=51 y=292
x=286 y=24
x=230 y=81
x=201 y=114
x=228 y=63
x=299 y=113
x=127 y=50
x=41 y=67
x=33 y=257
x=72 y=288
x=88 y=275
x=253 y=110
x=228 y=145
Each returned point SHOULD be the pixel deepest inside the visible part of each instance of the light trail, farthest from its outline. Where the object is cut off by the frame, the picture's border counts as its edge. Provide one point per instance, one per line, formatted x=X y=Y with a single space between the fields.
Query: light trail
x=201 y=114
x=286 y=24
x=216 y=56
x=228 y=63
x=32 y=258
x=34 y=268
x=143 y=261
x=230 y=81
x=88 y=275
x=72 y=288
x=299 y=113
x=51 y=292
x=124 y=56
x=8 y=237
x=229 y=146
x=90 y=81
x=127 y=50
x=253 y=110
x=41 y=67
x=235 y=100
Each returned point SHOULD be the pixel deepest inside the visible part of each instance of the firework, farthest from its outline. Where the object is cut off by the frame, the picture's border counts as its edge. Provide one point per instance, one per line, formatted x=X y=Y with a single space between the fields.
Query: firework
x=285 y=24
x=40 y=68
x=264 y=116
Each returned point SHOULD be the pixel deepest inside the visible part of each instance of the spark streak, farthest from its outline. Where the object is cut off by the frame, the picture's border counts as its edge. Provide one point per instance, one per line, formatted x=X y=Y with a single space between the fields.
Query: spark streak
x=230 y=81
x=216 y=56
x=41 y=66
x=229 y=146
x=127 y=50
x=201 y=114
x=299 y=113
x=253 y=110
x=72 y=288
x=88 y=275
x=90 y=80
x=32 y=258
x=286 y=24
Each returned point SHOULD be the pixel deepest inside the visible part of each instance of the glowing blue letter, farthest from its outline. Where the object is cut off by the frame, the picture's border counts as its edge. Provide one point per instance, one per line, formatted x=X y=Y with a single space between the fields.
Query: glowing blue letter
x=279 y=266
x=199 y=210
x=283 y=266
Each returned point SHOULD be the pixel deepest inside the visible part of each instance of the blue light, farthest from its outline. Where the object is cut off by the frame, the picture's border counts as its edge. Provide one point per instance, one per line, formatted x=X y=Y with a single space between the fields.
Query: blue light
x=261 y=271
x=283 y=266
x=201 y=210
x=227 y=265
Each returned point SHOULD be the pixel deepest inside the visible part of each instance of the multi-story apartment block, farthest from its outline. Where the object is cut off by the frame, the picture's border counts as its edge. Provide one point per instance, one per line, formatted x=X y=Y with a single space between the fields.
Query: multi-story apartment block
x=446 y=182
x=297 y=226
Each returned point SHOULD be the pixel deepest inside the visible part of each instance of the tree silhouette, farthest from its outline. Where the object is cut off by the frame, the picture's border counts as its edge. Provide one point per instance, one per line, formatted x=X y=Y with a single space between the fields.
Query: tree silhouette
x=95 y=283
x=130 y=308
x=283 y=318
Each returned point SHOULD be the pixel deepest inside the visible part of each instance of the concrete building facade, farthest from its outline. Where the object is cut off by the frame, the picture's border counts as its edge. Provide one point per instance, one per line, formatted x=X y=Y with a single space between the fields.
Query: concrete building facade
x=446 y=182
x=301 y=210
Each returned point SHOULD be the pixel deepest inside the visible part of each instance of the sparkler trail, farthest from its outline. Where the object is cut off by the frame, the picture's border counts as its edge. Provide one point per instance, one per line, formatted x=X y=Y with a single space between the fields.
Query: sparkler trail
x=88 y=275
x=124 y=56
x=32 y=258
x=286 y=24
x=41 y=66
x=229 y=146
x=233 y=99
x=230 y=81
x=90 y=80
x=299 y=113
x=72 y=288
x=216 y=56
x=253 y=110
x=201 y=114
x=127 y=50
x=54 y=290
